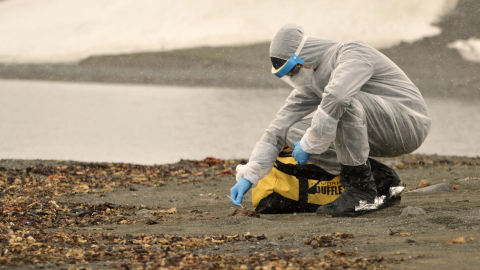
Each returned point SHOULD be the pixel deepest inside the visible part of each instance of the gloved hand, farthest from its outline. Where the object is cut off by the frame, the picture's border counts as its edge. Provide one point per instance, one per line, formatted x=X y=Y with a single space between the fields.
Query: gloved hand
x=299 y=155
x=237 y=191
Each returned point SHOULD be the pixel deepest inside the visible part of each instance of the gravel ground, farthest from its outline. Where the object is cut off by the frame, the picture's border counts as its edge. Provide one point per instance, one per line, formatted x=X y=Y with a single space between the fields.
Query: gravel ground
x=62 y=214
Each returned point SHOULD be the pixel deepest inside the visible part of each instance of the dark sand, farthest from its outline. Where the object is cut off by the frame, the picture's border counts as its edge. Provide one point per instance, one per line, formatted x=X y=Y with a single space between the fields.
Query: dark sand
x=84 y=191
x=381 y=239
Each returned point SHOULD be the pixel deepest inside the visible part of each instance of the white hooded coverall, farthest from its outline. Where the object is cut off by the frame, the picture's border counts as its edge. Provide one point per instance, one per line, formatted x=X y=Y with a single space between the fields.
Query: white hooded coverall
x=363 y=105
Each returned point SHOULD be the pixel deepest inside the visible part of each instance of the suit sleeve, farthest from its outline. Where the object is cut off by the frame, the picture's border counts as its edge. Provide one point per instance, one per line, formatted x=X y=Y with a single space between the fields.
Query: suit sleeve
x=265 y=152
x=352 y=71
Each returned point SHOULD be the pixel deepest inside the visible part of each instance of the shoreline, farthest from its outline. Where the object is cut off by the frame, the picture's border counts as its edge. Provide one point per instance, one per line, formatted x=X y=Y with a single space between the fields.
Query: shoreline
x=20 y=164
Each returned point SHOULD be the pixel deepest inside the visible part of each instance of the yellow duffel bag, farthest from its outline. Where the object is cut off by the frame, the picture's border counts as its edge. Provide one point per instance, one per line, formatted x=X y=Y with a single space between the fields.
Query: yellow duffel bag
x=291 y=187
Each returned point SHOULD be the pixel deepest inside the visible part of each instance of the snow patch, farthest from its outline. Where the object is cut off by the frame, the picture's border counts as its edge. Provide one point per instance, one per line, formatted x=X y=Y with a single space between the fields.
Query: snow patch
x=469 y=49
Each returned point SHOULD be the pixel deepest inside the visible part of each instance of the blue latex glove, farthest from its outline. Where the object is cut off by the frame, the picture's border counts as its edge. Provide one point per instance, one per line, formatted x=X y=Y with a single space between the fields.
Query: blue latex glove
x=237 y=191
x=299 y=155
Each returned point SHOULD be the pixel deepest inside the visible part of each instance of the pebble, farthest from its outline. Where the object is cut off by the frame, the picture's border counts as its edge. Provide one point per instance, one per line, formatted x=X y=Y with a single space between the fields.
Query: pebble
x=144 y=212
x=437 y=187
x=412 y=211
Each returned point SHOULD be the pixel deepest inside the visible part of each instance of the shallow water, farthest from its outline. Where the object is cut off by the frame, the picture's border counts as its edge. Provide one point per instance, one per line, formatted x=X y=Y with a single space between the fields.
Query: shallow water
x=156 y=125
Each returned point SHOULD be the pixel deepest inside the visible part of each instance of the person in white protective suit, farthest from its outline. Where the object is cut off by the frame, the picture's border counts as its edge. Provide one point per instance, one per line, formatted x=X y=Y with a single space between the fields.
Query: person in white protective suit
x=363 y=105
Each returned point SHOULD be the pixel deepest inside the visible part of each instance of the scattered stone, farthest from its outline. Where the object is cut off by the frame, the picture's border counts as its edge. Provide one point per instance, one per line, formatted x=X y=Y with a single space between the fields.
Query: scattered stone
x=77 y=214
x=327 y=240
x=39 y=224
x=399 y=233
x=172 y=210
x=244 y=213
x=144 y=212
x=410 y=241
x=437 y=187
x=199 y=219
x=151 y=222
x=424 y=183
x=412 y=211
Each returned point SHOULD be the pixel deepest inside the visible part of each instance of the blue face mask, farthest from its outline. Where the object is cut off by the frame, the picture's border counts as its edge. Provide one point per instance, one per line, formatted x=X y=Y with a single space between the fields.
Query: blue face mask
x=293 y=71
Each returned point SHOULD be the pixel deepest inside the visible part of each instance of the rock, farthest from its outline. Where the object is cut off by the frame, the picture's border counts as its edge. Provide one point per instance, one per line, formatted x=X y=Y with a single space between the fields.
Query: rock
x=244 y=213
x=437 y=187
x=412 y=211
x=144 y=213
x=410 y=241
x=424 y=183
x=77 y=214
x=151 y=222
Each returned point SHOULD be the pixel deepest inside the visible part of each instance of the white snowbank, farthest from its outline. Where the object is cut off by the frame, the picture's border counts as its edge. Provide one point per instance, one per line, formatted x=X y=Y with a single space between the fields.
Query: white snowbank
x=59 y=30
x=469 y=49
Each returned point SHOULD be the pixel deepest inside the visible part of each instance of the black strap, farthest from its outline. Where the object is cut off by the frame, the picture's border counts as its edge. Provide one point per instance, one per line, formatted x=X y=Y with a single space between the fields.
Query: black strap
x=303 y=173
x=286 y=151
x=303 y=190
x=309 y=171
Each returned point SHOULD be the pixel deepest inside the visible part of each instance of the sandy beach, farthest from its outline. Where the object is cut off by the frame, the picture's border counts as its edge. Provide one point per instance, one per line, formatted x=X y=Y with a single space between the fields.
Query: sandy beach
x=71 y=215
